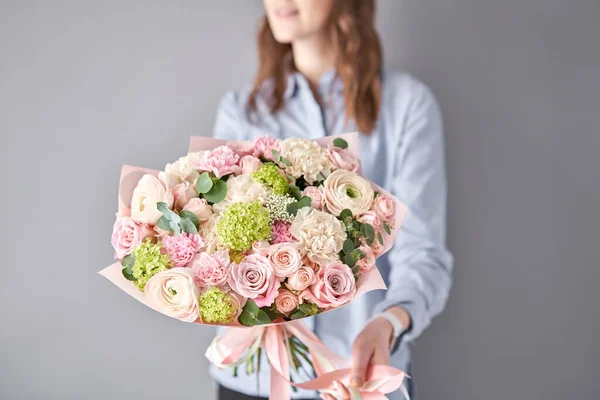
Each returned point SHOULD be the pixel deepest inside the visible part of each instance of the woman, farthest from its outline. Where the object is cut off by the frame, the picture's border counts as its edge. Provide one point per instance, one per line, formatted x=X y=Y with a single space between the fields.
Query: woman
x=320 y=73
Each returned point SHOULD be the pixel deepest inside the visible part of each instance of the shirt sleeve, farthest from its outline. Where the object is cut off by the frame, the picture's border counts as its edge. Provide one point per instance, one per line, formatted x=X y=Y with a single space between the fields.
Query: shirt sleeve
x=229 y=122
x=420 y=265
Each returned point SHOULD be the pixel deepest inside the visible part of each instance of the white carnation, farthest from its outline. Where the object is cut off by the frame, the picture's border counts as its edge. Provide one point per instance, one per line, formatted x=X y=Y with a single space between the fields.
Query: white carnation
x=308 y=159
x=320 y=235
x=181 y=171
x=243 y=188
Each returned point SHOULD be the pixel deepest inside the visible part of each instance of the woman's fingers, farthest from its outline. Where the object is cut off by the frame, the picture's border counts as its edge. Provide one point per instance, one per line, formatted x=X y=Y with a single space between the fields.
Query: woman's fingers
x=361 y=357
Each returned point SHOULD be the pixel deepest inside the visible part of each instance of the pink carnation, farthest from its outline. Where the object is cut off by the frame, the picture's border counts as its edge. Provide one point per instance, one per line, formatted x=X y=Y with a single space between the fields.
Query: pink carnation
x=335 y=286
x=127 y=235
x=241 y=147
x=182 y=248
x=211 y=269
x=255 y=279
x=221 y=161
x=264 y=146
x=280 y=231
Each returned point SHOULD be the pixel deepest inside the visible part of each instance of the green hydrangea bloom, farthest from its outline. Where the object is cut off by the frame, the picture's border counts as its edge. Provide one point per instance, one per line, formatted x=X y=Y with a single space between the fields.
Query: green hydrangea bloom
x=243 y=223
x=148 y=262
x=269 y=175
x=215 y=306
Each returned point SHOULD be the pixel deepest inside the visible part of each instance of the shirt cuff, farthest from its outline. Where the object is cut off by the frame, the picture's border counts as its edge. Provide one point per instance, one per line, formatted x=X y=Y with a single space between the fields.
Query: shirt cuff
x=414 y=306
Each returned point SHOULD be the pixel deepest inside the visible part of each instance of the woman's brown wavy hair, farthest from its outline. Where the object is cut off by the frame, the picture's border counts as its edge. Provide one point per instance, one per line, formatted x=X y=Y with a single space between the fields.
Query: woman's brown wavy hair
x=351 y=30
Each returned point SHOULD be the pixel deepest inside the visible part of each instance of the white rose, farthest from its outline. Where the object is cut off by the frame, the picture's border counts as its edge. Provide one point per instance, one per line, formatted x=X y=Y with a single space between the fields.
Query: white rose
x=243 y=188
x=181 y=170
x=308 y=159
x=320 y=235
x=173 y=293
x=345 y=189
x=146 y=194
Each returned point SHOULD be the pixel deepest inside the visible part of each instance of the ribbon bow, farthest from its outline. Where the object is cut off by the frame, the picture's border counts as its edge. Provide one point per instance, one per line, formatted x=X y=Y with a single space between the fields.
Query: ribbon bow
x=236 y=346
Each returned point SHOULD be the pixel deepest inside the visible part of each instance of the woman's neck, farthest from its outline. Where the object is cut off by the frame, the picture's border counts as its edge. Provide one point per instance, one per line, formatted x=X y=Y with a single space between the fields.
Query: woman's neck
x=312 y=58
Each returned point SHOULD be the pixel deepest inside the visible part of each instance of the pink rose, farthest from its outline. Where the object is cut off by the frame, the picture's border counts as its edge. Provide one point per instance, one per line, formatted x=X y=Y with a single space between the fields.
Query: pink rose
x=264 y=146
x=301 y=279
x=241 y=147
x=254 y=278
x=261 y=247
x=368 y=261
x=200 y=207
x=220 y=161
x=371 y=218
x=211 y=269
x=376 y=247
x=182 y=193
x=250 y=164
x=127 y=235
x=182 y=248
x=311 y=264
x=286 y=302
x=334 y=287
x=384 y=206
x=316 y=196
x=284 y=259
x=343 y=159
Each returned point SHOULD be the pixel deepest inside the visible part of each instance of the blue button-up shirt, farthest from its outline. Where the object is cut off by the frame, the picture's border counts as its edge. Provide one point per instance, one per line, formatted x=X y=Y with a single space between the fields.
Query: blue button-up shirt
x=405 y=155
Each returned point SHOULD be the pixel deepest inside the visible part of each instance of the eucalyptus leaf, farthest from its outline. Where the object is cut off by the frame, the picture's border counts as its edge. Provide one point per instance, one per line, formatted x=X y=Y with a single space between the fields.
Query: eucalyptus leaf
x=185 y=214
x=380 y=238
x=349 y=260
x=304 y=201
x=369 y=241
x=286 y=161
x=295 y=191
x=276 y=155
x=297 y=315
x=204 y=183
x=217 y=193
x=345 y=214
x=360 y=254
x=370 y=232
x=355 y=269
x=387 y=229
x=290 y=178
x=292 y=208
x=271 y=313
x=128 y=260
x=128 y=273
x=341 y=143
x=305 y=308
x=252 y=315
x=188 y=226
x=348 y=246
x=163 y=223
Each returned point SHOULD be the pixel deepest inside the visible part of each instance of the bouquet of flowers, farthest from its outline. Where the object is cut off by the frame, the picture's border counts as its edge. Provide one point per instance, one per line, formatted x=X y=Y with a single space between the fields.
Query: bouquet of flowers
x=257 y=235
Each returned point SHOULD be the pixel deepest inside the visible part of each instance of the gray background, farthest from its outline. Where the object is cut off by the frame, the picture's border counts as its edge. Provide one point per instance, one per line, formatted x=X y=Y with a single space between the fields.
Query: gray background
x=86 y=86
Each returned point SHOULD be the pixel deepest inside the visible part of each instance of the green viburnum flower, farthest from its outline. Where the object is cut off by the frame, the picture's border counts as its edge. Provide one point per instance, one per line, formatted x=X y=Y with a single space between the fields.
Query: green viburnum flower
x=269 y=175
x=277 y=206
x=243 y=223
x=148 y=262
x=216 y=306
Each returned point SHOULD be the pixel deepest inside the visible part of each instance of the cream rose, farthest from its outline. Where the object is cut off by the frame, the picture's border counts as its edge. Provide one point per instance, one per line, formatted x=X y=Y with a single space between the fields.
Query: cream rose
x=320 y=235
x=146 y=194
x=250 y=164
x=173 y=293
x=301 y=279
x=182 y=193
x=284 y=259
x=308 y=159
x=344 y=189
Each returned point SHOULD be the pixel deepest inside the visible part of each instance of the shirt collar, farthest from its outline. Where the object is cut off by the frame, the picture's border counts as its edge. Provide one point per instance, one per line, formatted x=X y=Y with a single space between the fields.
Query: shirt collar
x=330 y=83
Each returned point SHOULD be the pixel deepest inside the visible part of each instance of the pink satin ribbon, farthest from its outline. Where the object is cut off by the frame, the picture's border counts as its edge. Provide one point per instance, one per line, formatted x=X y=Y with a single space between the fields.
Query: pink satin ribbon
x=333 y=376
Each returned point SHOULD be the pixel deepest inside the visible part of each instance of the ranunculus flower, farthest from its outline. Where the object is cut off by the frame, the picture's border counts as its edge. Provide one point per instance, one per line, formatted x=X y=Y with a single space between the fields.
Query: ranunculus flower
x=200 y=207
x=368 y=261
x=241 y=147
x=335 y=286
x=182 y=193
x=146 y=194
x=343 y=159
x=181 y=170
x=182 y=248
x=254 y=278
x=173 y=292
x=249 y=164
x=211 y=269
x=127 y=235
x=384 y=206
x=286 y=302
x=220 y=161
x=301 y=279
x=317 y=198
x=344 y=189
x=320 y=235
x=264 y=146
x=284 y=259
x=371 y=218
x=308 y=158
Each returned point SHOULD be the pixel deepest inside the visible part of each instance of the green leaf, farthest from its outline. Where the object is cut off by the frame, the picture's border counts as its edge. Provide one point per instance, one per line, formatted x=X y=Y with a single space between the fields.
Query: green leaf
x=292 y=208
x=295 y=191
x=304 y=201
x=271 y=313
x=297 y=315
x=375 y=193
x=185 y=214
x=305 y=308
x=369 y=231
x=286 y=161
x=346 y=214
x=380 y=238
x=348 y=246
x=341 y=143
x=355 y=269
x=276 y=155
x=128 y=273
x=290 y=178
x=349 y=260
x=188 y=226
x=359 y=254
x=128 y=260
x=204 y=183
x=217 y=193
x=369 y=241
x=387 y=229
x=163 y=223
x=252 y=315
